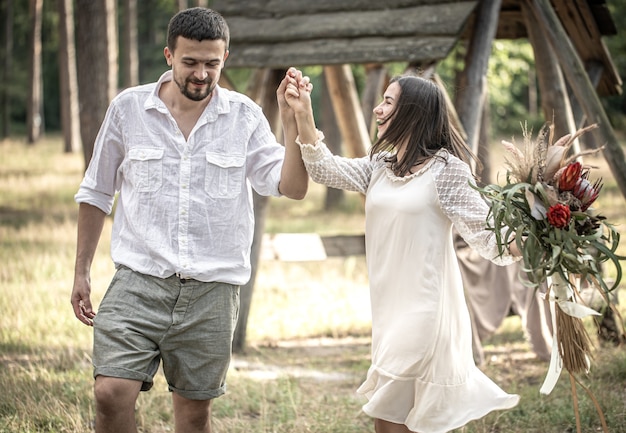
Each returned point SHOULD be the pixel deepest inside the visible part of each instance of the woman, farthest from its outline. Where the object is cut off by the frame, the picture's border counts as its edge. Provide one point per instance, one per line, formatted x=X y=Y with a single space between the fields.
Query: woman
x=417 y=185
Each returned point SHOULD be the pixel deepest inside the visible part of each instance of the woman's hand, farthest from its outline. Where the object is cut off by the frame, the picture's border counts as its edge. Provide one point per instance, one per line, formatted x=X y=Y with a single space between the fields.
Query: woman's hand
x=514 y=249
x=294 y=99
x=298 y=91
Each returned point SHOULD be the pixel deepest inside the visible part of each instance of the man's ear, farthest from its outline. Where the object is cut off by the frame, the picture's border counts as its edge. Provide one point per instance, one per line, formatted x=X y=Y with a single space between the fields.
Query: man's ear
x=168 y=56
x=226 y=53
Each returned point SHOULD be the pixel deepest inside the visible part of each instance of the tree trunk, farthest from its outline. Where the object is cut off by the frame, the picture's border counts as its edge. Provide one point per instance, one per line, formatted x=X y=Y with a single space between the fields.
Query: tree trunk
x=263 y=89
x=131 y=52
x=576 y=75
x=473 y=84
x=68 y=83
x=5 y=101
x=34 y=117
x=97 y=70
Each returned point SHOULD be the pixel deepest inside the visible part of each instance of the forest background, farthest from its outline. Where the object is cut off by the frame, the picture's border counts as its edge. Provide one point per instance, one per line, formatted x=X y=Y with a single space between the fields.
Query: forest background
x=309 y=324
x=512 y=82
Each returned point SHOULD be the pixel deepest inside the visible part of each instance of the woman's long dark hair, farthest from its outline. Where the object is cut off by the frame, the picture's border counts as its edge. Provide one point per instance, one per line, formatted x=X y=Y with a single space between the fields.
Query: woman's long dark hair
x=421 y=120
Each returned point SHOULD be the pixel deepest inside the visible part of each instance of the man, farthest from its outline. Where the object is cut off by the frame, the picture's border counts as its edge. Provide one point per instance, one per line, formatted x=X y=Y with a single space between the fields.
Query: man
x=183 y=154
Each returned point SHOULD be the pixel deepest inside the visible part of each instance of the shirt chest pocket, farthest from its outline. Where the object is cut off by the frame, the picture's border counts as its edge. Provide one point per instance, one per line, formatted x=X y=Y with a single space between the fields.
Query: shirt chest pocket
x=224 y=175
x=146 y=169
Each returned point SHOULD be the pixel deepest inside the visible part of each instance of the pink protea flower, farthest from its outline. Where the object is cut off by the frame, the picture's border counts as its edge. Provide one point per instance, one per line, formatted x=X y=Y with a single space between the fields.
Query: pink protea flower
x=586 y=192
x=570 y=175
x=559 y=215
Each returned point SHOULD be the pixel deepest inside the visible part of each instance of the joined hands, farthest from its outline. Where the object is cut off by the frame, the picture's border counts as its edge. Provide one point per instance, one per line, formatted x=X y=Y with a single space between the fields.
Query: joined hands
x=295 y=91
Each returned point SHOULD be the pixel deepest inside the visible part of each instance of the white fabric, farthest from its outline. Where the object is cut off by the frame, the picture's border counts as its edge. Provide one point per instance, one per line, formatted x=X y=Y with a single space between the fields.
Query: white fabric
x=184 y=206
x=492 y=292
x=423 y=373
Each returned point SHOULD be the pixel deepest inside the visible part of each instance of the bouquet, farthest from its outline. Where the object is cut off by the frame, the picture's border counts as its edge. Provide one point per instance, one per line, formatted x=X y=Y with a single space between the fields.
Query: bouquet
x=545 y=207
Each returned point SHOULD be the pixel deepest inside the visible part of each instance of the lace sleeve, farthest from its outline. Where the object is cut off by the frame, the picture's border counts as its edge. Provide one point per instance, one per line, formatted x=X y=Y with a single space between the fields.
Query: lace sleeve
x=467 y=209
x=335 y=171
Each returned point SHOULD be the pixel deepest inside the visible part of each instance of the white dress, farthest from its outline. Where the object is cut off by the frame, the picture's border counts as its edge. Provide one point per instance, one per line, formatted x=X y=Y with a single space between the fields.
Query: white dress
x=423 y=373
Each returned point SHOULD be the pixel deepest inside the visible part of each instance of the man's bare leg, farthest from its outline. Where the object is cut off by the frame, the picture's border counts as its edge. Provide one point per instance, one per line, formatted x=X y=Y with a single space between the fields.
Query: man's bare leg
x=115 y=404
x=191 y=416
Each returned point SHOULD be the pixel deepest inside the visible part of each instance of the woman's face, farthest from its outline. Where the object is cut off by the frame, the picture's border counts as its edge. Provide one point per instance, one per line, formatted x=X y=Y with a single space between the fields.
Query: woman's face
x=385 y=109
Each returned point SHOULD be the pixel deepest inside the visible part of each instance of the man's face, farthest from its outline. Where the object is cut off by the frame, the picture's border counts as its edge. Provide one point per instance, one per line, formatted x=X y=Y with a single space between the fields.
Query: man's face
x=196 y=66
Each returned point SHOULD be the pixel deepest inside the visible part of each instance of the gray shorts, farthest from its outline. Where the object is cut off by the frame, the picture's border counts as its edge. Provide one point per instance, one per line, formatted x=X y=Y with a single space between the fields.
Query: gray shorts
x=189 y=325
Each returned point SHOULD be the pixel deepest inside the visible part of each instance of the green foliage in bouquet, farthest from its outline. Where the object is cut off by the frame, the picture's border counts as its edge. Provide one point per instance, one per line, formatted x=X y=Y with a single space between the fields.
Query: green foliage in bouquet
x=545 y=208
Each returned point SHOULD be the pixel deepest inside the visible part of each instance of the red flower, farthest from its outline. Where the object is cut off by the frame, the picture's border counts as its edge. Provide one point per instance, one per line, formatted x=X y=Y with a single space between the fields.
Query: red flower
x=559 y=215
x=586 y=192
x=570 y=176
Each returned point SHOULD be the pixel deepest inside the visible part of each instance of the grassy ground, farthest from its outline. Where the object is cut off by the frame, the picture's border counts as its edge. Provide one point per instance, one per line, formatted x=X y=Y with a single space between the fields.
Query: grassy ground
x=308 y=327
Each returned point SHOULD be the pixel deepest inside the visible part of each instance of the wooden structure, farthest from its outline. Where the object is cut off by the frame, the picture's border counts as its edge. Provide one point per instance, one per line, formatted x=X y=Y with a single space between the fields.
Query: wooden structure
x=275 y=34
x=282 y=33
x=272 y=35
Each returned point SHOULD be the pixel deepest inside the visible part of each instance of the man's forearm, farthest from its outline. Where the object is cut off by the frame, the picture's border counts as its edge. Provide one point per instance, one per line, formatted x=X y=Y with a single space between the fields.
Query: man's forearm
x=90 y=224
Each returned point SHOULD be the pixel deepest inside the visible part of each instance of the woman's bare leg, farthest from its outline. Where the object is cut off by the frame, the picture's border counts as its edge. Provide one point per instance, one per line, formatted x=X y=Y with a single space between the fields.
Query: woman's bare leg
x=382 y=426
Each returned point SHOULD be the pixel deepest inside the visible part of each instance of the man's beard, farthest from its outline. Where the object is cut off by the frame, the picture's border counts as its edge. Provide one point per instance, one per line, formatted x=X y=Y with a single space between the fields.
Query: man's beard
x=193 y=93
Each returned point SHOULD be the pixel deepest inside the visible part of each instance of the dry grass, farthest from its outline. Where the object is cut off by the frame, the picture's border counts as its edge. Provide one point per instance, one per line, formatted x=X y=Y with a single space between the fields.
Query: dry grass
x=308 y=327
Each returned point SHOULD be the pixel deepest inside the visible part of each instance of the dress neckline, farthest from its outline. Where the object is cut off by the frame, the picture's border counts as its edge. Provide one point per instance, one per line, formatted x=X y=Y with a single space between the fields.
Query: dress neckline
x=392 y=176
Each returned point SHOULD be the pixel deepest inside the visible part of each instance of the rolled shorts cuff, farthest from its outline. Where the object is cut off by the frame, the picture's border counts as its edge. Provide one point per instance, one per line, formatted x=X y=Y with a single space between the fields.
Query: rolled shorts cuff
x=123 y=373
x=199 y=395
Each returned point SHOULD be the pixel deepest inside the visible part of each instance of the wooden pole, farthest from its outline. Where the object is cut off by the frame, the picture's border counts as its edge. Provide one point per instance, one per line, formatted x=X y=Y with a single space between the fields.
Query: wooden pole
x=594 y=69
x=555 y=101
x=472 y=85
x=375 y=83
x=585 y=93
x=328 y=123
x=345 y=99
x=263 y=88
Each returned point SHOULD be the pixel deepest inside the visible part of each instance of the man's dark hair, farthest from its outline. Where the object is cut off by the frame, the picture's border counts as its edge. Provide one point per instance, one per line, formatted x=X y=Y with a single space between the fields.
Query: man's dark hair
x=198 y=24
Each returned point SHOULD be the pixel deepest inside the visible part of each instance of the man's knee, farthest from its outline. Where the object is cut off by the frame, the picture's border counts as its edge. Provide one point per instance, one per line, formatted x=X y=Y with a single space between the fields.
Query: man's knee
x=114 y=394
x=192 y=415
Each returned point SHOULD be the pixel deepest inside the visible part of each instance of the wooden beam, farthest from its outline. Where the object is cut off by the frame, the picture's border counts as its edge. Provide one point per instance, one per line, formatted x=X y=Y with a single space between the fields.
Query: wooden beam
x=594 y=71
x=327 y=122
x=429 y=20
x=278 y=8
x=256 y=85
x=375 y=83
x=267 y=82
x=473 y=83
x=339 y=51
x=347 y=108
x=555 y=101
x=586 y=95
x=582 y=29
